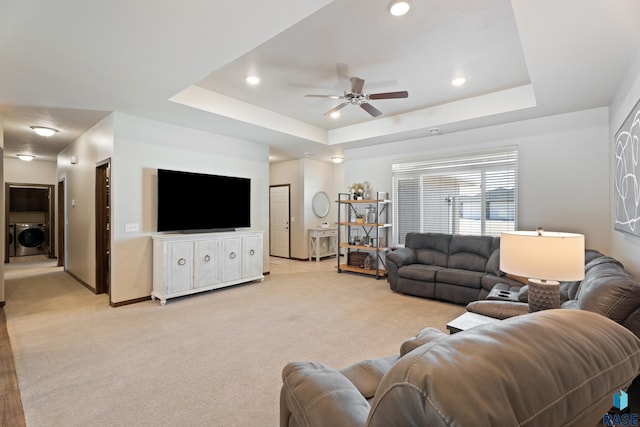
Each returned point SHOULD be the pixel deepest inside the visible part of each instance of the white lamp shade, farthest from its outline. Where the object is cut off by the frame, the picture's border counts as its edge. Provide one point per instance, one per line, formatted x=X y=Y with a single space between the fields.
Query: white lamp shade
x=545 y=256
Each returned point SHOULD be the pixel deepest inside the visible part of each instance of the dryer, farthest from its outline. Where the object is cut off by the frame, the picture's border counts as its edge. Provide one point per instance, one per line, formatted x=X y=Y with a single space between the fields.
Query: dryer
x=31 y=239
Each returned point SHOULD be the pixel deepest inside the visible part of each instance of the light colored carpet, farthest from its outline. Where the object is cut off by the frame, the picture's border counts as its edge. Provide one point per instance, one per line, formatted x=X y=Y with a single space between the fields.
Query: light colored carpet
x=213 y=359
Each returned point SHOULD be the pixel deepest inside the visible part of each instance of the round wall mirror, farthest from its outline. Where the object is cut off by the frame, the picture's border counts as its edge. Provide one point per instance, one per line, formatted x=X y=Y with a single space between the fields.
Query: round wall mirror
x=320 y=204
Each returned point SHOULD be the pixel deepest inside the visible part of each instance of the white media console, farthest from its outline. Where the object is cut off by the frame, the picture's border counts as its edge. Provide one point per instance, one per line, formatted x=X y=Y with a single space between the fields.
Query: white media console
x=184 y=264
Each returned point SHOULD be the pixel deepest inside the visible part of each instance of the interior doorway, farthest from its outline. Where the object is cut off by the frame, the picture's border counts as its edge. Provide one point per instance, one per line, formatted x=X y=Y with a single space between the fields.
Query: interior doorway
x=103 y=228
x=61 y=223
x=279 y=221
x=29 y=220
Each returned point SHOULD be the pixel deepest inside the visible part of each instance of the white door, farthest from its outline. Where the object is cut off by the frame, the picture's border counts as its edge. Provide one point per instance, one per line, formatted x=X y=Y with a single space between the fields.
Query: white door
x=279 y=221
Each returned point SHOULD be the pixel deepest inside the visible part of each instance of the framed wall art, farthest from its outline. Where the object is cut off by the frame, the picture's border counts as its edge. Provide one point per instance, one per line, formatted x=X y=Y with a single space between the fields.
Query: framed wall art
x=626 y=169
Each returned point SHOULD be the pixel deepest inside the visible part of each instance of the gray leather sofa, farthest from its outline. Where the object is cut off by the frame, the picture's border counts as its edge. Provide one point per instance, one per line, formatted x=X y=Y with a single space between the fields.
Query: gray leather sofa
x=454 y=268
x=550 y=368
x=607 y=289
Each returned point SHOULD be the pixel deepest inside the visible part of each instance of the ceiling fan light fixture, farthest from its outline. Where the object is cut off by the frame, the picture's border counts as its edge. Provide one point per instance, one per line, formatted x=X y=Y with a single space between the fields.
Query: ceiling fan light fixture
x=44 y=131
x=337 y=159
x=26 y=157
x=399 y=7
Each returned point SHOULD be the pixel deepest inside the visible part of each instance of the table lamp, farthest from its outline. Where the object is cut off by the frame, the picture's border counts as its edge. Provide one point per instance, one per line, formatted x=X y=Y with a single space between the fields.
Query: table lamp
x=545 y=258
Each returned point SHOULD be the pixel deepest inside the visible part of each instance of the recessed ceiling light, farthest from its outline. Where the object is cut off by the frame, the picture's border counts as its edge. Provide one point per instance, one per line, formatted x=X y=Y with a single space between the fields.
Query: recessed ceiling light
x=44 y=131
x=458 y=81
x=26 y=157
x=252 y=80
x=335 y=114
x=399 y=7
x=337 y=159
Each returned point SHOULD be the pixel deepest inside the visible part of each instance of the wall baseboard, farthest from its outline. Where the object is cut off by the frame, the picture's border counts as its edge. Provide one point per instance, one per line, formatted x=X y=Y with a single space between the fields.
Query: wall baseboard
x=128 y=302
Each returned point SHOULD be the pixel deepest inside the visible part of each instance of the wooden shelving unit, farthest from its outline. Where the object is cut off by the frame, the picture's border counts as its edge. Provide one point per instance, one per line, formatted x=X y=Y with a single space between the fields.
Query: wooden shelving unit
x=374 y=236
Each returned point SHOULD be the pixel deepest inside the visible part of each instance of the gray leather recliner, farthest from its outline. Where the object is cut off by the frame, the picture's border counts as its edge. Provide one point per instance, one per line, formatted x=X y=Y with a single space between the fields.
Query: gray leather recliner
x=607 y=289
x=551 y=368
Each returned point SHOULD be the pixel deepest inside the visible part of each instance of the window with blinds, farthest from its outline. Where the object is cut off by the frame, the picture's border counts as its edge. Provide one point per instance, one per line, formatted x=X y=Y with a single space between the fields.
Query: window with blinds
x=475 y=195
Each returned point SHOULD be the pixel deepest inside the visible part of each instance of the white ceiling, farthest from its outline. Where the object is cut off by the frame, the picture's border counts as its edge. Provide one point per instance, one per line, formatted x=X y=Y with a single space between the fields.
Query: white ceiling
x=67 y=64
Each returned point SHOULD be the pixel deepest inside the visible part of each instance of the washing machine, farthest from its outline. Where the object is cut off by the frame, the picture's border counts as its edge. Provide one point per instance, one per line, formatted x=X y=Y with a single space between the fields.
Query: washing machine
x=12 y=240
x=31 y=239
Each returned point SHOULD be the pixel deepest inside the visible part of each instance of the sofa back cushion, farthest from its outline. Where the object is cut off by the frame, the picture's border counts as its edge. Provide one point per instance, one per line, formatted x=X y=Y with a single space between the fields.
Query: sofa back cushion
x=430 y=248
x=470 y=252
x=607 y=289
x=553 y=367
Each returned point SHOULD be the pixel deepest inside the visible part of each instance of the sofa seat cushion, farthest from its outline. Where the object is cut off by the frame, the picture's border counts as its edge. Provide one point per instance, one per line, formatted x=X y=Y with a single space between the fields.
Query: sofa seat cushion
x=422 y=272
x=455 y=276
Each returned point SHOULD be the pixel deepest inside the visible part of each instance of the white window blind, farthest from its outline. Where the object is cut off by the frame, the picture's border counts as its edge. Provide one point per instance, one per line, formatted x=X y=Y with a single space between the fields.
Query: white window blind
x=475 y=194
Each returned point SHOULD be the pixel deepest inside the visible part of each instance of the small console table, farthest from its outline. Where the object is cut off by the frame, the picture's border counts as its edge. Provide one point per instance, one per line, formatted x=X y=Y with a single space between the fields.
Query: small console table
x=467 y=321
x=323 y=242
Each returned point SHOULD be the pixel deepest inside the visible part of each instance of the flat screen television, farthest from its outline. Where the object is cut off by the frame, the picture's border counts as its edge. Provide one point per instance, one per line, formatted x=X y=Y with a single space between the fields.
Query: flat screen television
x=196 y=202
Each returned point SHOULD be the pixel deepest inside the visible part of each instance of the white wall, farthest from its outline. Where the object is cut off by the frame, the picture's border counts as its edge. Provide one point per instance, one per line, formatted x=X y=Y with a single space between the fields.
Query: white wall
x=92 y=148
x=136 y=148
x=141 y=147
x=33 y=172
x=318 y=176
x=305 y=177
x=624 y=247
x=563 y=177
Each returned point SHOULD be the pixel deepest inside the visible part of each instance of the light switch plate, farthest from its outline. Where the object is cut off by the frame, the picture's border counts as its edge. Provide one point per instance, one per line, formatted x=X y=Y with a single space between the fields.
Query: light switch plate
x=131 y=228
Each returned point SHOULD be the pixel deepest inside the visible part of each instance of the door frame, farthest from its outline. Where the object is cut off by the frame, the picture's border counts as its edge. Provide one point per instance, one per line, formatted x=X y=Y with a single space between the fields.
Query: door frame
x=103 y=227
x=289 y=216
x=62 y=218
x=51 y=214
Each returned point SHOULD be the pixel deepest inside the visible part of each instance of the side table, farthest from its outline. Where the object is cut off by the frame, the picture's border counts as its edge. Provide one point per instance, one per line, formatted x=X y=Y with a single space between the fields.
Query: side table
x=469 y=320
x=322 y=242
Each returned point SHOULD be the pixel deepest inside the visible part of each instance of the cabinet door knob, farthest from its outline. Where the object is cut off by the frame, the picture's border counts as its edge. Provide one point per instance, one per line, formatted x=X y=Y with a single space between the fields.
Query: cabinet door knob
x=182 y=261
x=252 y=252
x=207 y=258
x=232 y=255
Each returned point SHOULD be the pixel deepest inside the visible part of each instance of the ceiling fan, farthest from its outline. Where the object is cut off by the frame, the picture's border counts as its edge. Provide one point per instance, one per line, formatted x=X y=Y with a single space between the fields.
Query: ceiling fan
x=357 y=96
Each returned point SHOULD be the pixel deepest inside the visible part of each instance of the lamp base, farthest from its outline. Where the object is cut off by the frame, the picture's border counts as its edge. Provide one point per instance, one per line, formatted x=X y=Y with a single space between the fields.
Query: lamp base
x=543 y=295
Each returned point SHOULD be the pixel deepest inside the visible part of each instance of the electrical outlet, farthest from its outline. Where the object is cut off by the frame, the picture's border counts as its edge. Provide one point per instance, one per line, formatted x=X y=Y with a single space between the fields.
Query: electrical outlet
x=131 y=228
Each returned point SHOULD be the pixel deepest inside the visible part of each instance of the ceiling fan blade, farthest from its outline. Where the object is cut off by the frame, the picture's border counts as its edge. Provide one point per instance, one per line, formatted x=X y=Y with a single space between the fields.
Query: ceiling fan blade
x=333 y=110
x=325 y=96
x=389 y=95
x=370 y=109
x=356 y=85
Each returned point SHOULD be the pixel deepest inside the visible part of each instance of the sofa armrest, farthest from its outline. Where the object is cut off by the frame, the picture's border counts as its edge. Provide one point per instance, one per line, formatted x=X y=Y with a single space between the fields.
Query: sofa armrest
x=498 y=309
x=314 y=394
x=427 y=335
x=366 y=375
x=402 y=256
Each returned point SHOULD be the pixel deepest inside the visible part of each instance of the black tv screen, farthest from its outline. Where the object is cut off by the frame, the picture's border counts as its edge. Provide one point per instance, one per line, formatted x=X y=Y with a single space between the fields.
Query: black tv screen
x=190 y=201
